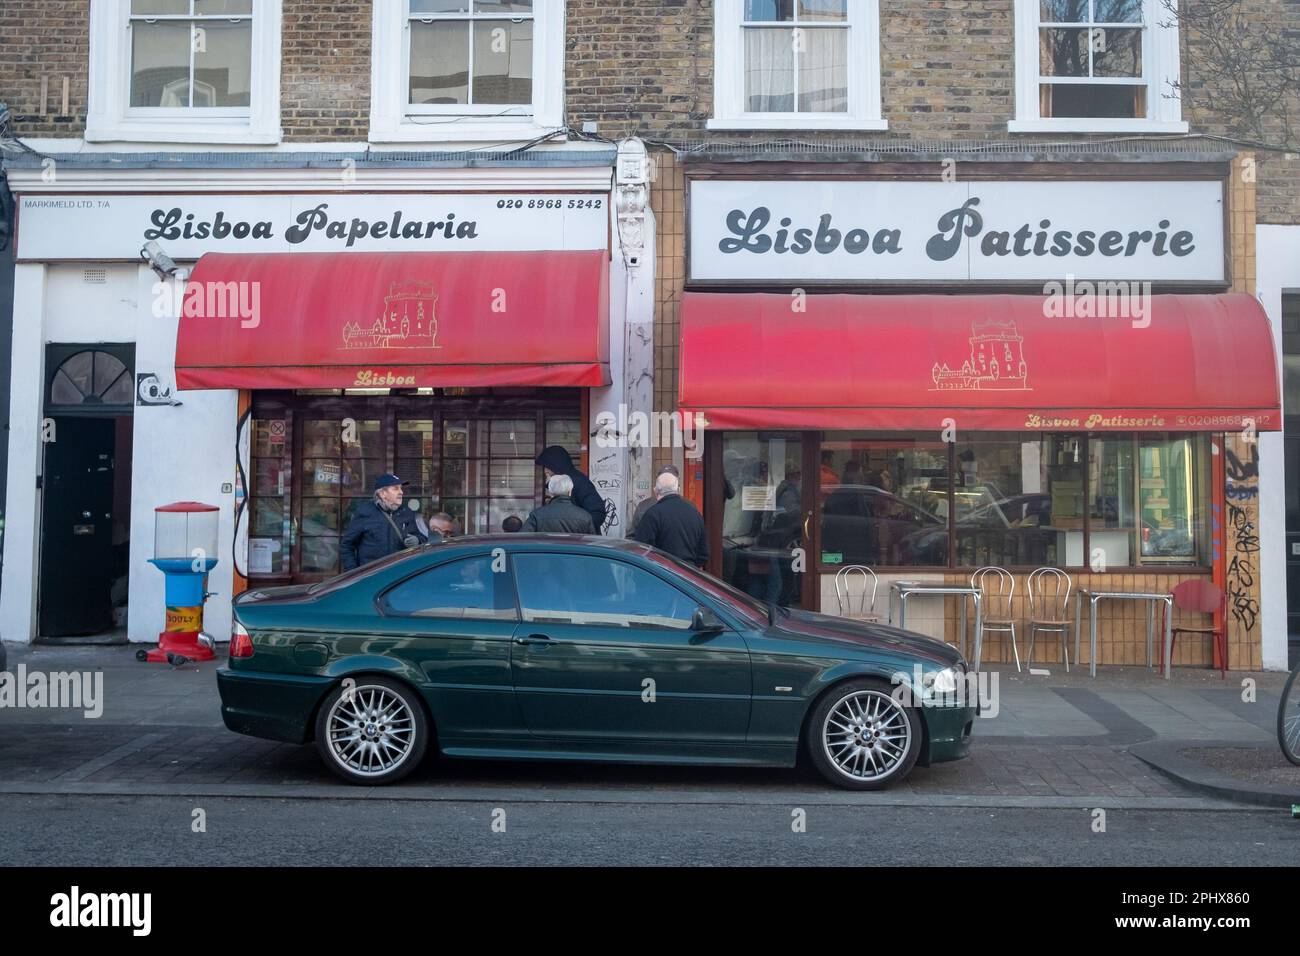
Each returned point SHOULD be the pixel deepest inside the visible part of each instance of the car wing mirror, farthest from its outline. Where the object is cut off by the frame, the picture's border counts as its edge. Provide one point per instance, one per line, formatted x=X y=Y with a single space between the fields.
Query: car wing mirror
x=704 y=621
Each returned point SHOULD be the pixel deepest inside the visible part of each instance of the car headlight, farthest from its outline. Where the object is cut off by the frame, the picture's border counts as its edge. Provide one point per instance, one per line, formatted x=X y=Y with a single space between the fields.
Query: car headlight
x=942 y=682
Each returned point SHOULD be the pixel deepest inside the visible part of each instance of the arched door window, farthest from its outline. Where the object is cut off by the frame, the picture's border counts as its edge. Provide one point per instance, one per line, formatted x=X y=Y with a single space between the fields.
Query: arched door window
x=91 y=379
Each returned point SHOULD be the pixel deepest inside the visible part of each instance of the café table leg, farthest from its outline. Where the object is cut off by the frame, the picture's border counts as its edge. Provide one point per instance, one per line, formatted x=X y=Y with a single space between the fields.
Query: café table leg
x=979 y=629
x=902 y=607
x=963 y=624
x=1169 y=626
x=890 y=608
x=1092 y=638
x=1078 y=605
x=1151 y=627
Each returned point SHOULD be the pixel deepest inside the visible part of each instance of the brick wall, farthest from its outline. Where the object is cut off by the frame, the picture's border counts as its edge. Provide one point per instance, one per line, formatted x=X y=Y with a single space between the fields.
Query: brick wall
x=325 y=70
x=44 y=38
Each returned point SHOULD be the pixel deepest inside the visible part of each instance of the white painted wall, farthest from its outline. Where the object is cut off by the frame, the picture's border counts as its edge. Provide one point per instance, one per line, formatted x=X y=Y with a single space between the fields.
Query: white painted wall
x=179 y=453
x=1277 y=270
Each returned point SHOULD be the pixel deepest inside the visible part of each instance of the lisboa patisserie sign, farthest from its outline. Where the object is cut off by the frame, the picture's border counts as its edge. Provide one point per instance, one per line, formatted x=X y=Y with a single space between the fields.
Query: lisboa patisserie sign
x=856 y=231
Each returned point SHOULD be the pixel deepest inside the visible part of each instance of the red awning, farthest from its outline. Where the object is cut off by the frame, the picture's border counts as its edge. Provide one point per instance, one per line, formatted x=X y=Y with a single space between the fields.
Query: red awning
x=397 y=320
x=760 y=360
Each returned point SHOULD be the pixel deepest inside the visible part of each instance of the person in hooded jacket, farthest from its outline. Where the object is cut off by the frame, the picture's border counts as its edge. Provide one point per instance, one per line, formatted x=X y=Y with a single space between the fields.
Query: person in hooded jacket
x=555 y=460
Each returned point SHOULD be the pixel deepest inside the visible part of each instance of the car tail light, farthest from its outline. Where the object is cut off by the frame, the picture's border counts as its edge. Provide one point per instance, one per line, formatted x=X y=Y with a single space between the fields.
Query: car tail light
x=241 y=645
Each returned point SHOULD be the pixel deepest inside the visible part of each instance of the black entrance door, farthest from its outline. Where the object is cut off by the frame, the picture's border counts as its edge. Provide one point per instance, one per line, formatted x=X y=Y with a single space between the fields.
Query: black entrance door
x=77 y=528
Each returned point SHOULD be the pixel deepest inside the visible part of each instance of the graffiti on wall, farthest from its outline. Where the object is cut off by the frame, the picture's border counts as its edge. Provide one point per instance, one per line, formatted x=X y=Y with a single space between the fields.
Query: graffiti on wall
x=1241 y=489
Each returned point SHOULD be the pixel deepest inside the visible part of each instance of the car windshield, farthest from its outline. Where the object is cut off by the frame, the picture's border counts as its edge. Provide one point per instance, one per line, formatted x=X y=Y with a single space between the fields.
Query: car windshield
x=735 y=599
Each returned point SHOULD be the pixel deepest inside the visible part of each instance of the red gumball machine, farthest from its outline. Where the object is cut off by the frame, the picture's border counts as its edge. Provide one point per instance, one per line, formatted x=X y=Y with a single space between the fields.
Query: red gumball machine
x=185 y=548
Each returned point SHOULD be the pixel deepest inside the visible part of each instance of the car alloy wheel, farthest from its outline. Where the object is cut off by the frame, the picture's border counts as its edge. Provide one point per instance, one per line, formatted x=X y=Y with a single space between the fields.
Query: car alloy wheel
x=860 y=738
x=372 y=731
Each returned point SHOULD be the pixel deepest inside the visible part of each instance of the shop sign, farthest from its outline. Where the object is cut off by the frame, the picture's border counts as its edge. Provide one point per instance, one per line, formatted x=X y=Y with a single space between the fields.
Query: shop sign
x=803 y=231
x=187 y=226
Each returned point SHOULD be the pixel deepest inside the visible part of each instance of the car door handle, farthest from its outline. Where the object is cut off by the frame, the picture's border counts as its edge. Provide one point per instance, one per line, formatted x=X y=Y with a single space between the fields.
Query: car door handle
x=534 y=639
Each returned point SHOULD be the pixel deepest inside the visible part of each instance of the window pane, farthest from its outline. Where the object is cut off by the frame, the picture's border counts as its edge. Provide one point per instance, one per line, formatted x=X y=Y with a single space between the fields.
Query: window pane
x=422 y=473
x=160 y=64
x=108 y=368
x=503 y=61
x=1111 y=478
x=884 y=501
x=513 y=479
x=1118 y=11
x=467 y=589
x=501 y=508
x=460 y=477
x=1109 y=101
x=1019 y=501
x=580 y=589
x=440 y=63
x=1063 y=11
x=823 y=10
x=503 y=6
x=1172 y=519
x=270 y=476
x=439 y=6
x=769 y=70
x=321 y=476
x=223 y=7
x=222 y=63
x=762 y=514
x=269 y=518
x=415 y=439
x=80 y=369
x=565 y=432
x=823 y=72
x=63 y=391
x=320 y=555
x=769 y=10
x=321 y=437
x=320 y=516
x=159 y=7
x=1116 y=52
x=361 y=438
x=1062 y=52
x=514 y=438
x=121 y=392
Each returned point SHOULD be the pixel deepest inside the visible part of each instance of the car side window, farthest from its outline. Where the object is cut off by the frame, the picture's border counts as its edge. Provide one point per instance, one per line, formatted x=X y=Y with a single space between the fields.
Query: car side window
x=468 y=589
x=584 y=589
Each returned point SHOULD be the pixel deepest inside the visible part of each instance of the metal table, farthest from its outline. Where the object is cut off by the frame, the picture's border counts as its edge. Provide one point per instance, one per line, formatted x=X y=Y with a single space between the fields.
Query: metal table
x=1151 y=598
x=906 y=589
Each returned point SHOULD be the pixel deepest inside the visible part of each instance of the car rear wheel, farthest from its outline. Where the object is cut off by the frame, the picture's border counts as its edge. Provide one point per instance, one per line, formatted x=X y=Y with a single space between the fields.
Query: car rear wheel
x=860 y=738
x=372 y=730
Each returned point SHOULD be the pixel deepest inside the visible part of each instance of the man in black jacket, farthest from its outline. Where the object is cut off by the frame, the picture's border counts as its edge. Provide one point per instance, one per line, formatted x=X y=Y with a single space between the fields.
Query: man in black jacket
x=556 y=461
x=672 y=524
x=560 y=514
x=380 y=527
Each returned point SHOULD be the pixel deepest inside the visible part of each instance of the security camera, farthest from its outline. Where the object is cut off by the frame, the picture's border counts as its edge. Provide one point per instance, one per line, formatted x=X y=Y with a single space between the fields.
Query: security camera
x=158 y=260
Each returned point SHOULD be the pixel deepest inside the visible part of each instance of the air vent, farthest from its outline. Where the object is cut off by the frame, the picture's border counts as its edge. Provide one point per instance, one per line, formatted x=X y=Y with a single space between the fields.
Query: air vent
x=95 y=276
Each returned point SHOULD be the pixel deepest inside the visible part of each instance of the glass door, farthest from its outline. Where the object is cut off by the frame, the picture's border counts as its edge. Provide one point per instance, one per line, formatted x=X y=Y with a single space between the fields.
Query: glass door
x=758 y=535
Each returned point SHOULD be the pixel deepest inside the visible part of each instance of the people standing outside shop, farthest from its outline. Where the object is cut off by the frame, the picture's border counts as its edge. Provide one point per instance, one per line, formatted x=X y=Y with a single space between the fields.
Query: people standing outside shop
x=560 y=515
x=674 y=525
x=512 y=524
x=380 y=527
x=556 y=461
x=443 y=524
x=651 y=501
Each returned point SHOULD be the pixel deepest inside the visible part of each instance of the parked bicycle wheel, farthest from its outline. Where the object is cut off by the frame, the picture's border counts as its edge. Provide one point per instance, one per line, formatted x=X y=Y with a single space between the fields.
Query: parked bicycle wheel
x=1288 y=718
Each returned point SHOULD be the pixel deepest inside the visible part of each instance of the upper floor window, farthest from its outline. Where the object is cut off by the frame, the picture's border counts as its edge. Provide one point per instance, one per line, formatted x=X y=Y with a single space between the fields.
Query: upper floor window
x=1096 y=66
x=203 y=71
x=466 y=69
x=797 y=64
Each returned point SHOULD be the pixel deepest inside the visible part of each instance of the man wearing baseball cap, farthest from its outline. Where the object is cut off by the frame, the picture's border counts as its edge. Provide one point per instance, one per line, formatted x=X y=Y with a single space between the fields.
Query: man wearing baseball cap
x=380 y=527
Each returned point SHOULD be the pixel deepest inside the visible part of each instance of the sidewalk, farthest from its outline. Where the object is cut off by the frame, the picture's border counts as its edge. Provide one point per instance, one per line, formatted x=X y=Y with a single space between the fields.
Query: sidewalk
x=1127 y=737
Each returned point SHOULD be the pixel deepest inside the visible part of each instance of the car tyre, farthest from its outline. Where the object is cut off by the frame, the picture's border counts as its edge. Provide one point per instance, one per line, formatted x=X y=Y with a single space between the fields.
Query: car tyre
x=860 y=737
x=372 y=730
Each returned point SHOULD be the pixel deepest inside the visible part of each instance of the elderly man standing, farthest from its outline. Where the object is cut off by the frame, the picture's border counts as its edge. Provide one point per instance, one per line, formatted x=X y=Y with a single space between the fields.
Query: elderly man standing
x=560 y=514
x=673 y=524
x=380 y=527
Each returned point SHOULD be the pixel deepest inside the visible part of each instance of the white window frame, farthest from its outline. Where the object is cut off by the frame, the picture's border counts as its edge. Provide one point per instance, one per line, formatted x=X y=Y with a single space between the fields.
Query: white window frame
x=394 y=120
x=1160 y=67
x=110 y=118
x=863 y=75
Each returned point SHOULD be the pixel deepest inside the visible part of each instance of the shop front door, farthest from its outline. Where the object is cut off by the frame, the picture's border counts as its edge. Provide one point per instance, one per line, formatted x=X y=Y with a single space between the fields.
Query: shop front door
x=760 y=514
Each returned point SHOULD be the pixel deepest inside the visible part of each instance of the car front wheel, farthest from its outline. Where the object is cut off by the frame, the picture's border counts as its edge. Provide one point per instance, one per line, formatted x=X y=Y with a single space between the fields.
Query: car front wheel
x=860 y=738
x=372 y=730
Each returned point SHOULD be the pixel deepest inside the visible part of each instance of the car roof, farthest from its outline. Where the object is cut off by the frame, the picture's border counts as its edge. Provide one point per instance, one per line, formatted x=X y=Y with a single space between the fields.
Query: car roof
x=539 y=539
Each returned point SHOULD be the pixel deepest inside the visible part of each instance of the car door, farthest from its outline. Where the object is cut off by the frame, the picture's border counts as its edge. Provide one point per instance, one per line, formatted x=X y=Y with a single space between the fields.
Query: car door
x=605 y=651
x=454 y=623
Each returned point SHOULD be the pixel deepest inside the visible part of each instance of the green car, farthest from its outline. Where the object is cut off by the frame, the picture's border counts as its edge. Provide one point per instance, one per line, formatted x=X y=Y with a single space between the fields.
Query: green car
x=568 y=647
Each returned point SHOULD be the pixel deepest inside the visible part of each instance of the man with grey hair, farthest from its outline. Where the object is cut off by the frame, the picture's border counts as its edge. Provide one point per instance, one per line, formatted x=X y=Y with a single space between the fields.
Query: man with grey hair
x=650 y=501
x=560 y=515
x=673 y=524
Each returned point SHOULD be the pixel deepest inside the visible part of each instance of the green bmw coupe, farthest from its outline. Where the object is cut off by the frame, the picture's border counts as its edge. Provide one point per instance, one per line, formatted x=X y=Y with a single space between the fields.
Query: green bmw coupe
x=581 y=648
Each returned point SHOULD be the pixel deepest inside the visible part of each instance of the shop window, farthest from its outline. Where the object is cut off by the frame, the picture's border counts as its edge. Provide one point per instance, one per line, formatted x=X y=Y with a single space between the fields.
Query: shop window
x=200 y=71
x=489 y=471
x=1014 y=500
x=883 y=502
x=797 y=64
x=466 y=69
x=1096 y=66
x=762 y=514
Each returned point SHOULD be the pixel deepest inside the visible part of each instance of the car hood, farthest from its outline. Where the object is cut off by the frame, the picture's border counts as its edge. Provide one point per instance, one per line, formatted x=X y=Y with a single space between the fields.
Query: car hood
x=838 y=630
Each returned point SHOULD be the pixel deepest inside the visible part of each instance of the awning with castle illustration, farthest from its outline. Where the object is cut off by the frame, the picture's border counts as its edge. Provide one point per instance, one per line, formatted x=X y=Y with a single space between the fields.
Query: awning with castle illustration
x=395 y=320
x=1013 y=362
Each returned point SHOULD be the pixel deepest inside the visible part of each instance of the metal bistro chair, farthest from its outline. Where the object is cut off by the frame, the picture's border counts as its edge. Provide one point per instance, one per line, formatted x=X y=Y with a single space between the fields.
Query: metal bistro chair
x=997 y=587
x=1049 y=601
x=846 y=600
